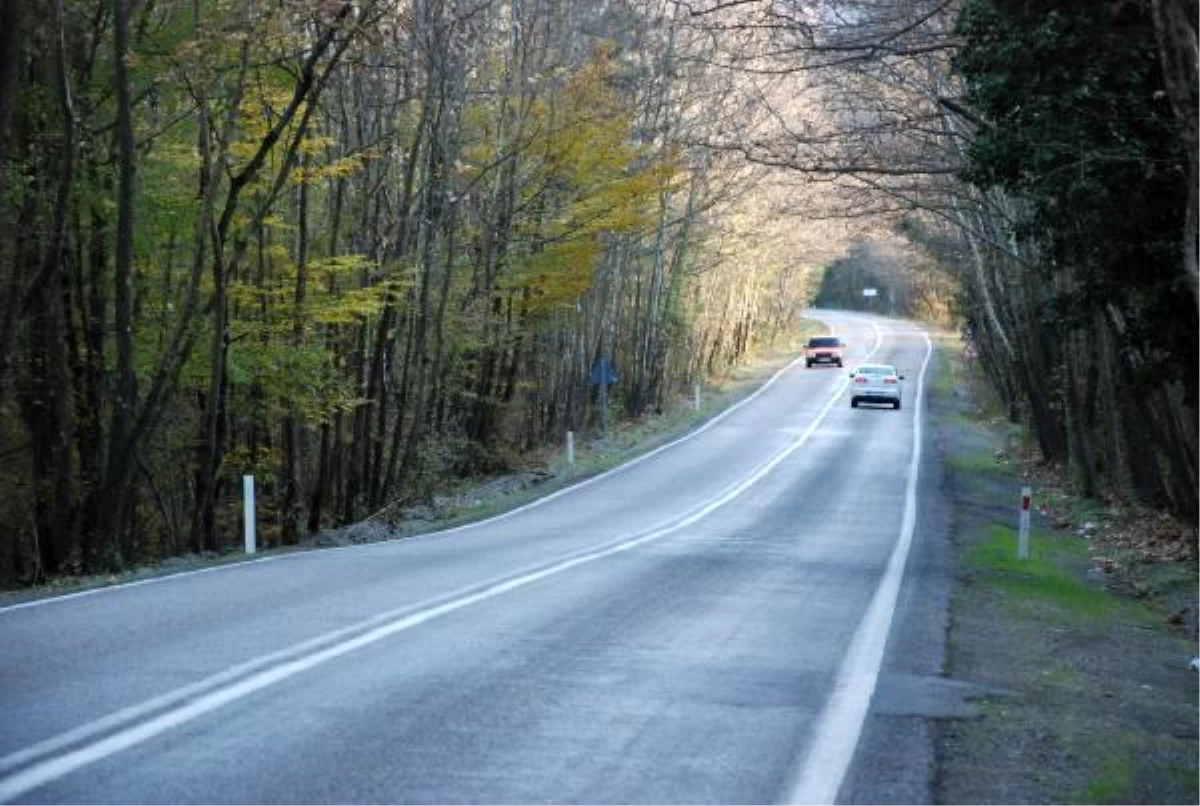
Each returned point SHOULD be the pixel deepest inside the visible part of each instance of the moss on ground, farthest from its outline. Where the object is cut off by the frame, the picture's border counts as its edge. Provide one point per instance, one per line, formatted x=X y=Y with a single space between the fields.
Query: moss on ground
x=1049 y=576
x=1114 y=783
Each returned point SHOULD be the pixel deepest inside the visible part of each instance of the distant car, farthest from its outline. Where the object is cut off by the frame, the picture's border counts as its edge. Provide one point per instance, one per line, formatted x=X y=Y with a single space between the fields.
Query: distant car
x=875 y=383
x=823 y=350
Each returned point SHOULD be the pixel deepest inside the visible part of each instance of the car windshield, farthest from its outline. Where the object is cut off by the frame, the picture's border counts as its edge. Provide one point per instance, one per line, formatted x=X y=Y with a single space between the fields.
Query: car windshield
x=824 y=341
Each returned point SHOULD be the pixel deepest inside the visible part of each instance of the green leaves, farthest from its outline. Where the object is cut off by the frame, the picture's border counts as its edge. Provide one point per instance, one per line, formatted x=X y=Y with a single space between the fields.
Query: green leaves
x=277 y=378
x=1079 y=134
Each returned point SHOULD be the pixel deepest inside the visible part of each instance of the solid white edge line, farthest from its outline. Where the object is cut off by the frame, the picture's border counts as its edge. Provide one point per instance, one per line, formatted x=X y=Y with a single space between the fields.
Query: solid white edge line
x=46 y=771
x=841 y=720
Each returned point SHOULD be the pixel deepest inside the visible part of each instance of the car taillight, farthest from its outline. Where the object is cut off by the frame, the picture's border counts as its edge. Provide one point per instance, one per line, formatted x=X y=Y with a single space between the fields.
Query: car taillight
x=860 y=379
x=890 y=380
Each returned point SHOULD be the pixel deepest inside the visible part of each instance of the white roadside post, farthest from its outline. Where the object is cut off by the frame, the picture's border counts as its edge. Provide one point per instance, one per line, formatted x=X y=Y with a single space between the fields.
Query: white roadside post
x=1023 y=533
x=248 y=512
x=570 y=452
x=696 y=397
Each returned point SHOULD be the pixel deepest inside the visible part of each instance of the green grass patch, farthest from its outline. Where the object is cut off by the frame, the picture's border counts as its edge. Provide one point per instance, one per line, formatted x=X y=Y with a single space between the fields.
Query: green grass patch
x=954 y=377
x=1186 y=778
x=945 y=381
x=1113 y=784
x=950 y=374
x=1051 y=575
x=963 y=420
x=974 y=462
x=1058 y=676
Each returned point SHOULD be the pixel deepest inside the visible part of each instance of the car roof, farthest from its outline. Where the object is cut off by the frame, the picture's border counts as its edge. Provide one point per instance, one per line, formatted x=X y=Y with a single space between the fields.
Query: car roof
x=877 y=367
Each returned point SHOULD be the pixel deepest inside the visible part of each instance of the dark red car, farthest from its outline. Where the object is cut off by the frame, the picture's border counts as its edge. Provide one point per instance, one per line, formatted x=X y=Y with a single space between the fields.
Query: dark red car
x=823 y=350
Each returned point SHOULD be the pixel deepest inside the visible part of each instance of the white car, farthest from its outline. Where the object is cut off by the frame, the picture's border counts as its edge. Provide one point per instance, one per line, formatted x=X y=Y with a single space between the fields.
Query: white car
x=875 y=383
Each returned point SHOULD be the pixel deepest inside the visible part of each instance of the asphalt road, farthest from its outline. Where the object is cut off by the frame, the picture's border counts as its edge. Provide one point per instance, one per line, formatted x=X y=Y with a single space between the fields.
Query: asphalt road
x=706 y=624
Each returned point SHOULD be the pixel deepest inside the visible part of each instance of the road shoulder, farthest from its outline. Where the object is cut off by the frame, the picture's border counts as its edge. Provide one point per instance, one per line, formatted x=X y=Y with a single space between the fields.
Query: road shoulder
x=894 y=761
x=1081 y=663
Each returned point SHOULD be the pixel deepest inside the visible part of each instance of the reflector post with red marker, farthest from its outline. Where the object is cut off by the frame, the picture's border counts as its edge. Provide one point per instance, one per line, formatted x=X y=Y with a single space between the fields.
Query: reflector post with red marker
x=1023 y=532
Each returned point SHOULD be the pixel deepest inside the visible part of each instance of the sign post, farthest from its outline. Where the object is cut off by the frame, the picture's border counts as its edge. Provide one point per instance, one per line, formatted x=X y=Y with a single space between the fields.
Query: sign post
x=869 y=295
x=1023 y=532
x=603 y=409
x=603 y=374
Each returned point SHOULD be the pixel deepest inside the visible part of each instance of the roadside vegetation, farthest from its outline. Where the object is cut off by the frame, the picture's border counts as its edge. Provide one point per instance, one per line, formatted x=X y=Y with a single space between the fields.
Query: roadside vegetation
x=1083 y=648
x=364 y=251
x=375 y=251
x=458 y=502
x=540 y=473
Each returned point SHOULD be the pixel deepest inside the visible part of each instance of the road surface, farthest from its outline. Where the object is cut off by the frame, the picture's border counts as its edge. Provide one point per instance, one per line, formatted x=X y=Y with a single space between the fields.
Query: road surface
x=706 y=624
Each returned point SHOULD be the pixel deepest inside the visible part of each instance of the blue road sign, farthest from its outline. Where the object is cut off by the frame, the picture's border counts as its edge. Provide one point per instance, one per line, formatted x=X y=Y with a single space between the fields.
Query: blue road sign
x=603 y=372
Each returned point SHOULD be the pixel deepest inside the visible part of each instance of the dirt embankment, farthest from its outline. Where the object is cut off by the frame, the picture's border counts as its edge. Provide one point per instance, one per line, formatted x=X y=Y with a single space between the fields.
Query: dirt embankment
x=1085 y=646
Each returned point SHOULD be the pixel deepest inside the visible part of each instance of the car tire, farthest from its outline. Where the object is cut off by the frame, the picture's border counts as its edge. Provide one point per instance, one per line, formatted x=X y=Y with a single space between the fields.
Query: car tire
x=808 y=364
x=839 y=364
x=896 y=405
x=854 y=402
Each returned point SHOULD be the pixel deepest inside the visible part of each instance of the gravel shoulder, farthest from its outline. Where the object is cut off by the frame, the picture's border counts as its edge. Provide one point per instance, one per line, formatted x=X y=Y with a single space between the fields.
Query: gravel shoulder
x=1083 y=650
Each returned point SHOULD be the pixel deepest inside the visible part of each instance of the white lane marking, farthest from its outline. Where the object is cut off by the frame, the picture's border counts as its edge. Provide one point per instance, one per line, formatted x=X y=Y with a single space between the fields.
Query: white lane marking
x=840 y=723
x=196 y=703
x=443 y=532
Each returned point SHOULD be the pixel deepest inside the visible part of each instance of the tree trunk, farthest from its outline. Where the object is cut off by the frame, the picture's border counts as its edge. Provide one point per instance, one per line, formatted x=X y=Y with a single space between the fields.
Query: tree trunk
x=121 y=464
x=291 y=504
x=12 y=34
x=210 y=447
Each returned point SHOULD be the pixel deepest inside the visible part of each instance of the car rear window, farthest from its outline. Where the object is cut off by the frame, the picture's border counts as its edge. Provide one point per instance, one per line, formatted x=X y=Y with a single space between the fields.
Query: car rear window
x=825 y=341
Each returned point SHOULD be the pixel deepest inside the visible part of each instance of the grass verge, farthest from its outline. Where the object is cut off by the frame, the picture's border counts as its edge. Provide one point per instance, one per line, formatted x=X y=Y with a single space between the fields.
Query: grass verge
x=1096 y=702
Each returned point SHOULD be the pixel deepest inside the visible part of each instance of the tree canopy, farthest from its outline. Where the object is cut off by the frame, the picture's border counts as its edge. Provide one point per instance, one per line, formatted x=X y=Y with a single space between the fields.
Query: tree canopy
x=359 y=248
